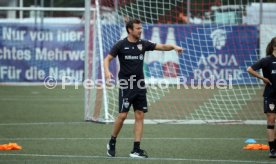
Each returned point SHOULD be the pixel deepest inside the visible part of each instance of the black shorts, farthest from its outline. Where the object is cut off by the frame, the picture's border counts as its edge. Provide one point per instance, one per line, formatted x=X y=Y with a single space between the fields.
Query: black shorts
x=128 y=97
x=269 y=105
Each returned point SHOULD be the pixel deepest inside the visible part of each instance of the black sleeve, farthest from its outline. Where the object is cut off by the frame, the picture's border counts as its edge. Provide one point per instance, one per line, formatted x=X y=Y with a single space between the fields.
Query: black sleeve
x=258 y=65
x=115 y=49
x=149 y=46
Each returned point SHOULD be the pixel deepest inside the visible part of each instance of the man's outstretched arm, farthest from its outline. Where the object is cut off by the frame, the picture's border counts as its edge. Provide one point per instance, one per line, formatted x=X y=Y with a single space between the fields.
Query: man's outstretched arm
x=168 y=47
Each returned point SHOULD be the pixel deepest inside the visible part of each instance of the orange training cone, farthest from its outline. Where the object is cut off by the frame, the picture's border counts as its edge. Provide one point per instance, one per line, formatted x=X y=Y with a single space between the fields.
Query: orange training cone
x=256 y=147
x=10 y=146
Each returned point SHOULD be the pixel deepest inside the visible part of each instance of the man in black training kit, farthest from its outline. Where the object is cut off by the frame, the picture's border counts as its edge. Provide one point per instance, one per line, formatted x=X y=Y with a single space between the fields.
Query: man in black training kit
x=268 y=66
x=132 y=91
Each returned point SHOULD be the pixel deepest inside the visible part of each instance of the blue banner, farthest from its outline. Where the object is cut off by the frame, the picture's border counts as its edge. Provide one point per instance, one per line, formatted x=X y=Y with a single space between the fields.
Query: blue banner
x=32 y=52
x=221 y=52
x=211 y=51
x=29 y=53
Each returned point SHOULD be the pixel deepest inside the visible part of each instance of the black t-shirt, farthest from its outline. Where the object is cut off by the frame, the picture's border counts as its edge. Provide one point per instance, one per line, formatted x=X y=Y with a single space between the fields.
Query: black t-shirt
x=268 y=66
x=131 y=57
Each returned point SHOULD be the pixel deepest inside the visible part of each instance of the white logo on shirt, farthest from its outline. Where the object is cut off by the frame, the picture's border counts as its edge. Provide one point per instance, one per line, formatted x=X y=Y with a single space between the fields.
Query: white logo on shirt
x=129 y=57
x=126 y=48
x=140 y=47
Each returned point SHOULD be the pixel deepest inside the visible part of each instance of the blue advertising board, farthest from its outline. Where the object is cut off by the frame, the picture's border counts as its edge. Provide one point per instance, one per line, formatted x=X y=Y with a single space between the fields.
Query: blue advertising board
x=29 y=53
x=210 y=51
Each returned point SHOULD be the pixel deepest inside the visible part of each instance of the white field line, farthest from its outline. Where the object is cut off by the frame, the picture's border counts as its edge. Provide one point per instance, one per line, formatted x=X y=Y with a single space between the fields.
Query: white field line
x=57 y=99
x=41 y=123
x=128 y=158
x=175 y=138
x=151 y=121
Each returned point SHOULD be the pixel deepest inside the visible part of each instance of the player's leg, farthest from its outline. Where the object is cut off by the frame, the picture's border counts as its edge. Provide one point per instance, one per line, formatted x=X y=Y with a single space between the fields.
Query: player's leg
x=274 y=112
x=124 y=105
x=138 y=127
x=118 y=124
x=271 y=134
x=275 y=136
x=269 y=108
x=140 y=107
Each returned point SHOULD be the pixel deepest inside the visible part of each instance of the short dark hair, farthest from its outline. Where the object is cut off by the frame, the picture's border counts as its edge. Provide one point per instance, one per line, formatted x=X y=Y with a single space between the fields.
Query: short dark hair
x=269 y=48
x=129 y=24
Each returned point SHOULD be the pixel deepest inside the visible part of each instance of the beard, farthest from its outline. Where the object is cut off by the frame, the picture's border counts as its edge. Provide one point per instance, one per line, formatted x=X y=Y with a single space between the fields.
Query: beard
x=137 y=36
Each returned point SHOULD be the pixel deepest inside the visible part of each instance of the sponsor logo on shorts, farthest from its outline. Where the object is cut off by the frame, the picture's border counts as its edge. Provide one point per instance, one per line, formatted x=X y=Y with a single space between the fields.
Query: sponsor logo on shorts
x=126 y=103
x=271 y=106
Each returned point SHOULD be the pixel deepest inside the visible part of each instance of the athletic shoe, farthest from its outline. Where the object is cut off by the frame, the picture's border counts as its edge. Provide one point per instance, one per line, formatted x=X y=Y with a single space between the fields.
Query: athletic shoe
x=139 y=153
x=110 y=149
x=272 y=154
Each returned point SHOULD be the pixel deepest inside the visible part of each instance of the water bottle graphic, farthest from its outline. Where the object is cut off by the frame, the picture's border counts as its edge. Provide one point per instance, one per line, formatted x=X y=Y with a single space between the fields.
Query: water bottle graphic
x=154 y=59
x=171 y=60
x=123 y=33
